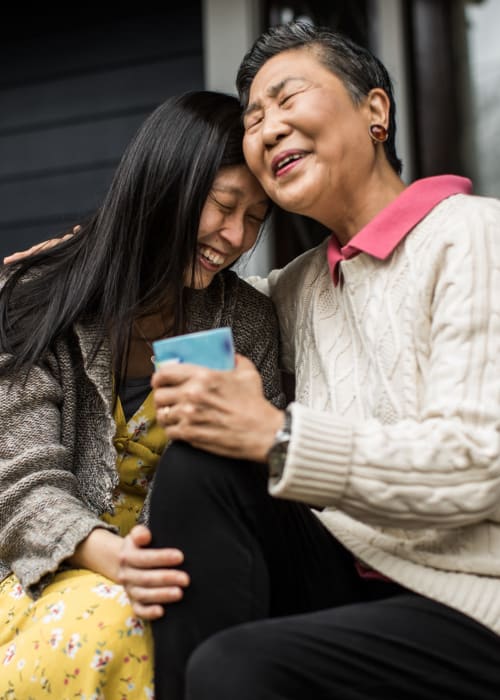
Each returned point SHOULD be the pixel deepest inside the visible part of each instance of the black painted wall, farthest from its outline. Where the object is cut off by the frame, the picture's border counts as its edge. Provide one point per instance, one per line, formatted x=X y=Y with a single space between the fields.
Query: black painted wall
x=72 y=92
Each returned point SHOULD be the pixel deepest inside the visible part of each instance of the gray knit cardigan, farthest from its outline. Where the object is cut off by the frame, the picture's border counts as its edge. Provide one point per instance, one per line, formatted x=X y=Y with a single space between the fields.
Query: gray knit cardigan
x=57 y=459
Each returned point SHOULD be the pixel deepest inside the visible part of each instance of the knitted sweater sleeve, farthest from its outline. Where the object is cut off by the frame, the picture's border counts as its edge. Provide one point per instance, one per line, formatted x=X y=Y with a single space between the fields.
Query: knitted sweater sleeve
x=441 y=469
x=42 y=515
x=283 y=286
x=256 y=334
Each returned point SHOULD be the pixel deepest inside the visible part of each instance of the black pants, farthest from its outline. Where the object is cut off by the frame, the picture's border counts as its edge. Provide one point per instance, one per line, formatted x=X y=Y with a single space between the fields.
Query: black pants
x=276 y=609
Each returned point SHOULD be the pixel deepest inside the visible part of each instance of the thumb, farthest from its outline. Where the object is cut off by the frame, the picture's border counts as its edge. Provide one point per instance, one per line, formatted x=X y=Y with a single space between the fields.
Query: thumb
x=140 y=535
x=242 y=362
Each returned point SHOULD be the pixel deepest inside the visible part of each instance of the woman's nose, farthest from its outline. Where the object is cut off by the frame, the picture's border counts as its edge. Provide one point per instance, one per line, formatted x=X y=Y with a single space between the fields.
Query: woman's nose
x=234 y=232
x=273 y=127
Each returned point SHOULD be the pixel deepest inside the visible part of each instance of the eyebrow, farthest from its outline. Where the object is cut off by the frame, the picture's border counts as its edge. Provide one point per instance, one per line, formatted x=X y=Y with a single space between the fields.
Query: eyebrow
x=238 y=191
x=228 y=188
x=271 y=91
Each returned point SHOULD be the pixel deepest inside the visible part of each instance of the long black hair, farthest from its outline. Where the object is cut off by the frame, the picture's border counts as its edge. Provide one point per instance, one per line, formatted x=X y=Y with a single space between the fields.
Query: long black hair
x=358 y=69
x=135 y=251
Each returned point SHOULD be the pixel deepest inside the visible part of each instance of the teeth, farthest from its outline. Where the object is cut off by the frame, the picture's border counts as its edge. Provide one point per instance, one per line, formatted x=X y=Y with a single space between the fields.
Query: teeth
x=211 y=255
x=288 y=159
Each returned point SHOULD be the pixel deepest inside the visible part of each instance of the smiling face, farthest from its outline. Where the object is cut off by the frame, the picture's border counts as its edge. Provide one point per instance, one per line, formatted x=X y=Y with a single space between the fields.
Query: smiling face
x=306 y=140
x=230 y=221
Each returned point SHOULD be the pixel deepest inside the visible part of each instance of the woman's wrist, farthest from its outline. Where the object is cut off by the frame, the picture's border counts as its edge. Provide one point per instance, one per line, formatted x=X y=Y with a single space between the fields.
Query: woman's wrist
x=99 y=552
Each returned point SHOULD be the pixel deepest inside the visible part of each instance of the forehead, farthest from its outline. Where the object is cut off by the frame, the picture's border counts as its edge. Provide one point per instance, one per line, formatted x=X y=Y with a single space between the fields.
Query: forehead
x=238 y=180
x=293 y=64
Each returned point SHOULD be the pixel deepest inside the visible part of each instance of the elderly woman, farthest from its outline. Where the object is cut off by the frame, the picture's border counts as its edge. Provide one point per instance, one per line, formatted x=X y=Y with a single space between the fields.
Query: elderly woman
x=389 y=586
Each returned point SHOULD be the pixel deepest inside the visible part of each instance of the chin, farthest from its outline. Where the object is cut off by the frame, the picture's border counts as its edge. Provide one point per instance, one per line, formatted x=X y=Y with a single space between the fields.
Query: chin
x=202 y=281
x=292 y=206
x=292 y=202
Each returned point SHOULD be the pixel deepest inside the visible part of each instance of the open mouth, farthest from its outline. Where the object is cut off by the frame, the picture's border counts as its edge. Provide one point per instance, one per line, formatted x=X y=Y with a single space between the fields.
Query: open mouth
x=210 y=257
x=285 y=162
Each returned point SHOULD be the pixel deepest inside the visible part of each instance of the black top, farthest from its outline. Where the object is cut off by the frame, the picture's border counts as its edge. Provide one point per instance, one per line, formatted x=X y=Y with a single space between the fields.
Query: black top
x=133 y=392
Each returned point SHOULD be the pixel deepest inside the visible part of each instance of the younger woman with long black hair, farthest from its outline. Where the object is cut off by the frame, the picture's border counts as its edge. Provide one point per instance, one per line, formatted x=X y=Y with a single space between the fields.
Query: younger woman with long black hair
x=79 y=441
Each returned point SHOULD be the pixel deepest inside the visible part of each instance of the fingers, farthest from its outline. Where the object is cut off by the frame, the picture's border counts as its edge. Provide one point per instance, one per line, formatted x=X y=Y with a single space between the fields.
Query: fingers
x=188 y=387
x=175 y=374
x=150 y=591
x=24 y=253
x=146 y=577
x=155 y=596
x=132 y=556
x=140 y=535
x=153 y=578
x=149 y=568
x=242 y=362
x=148 y=612
x=163 y=413
x=38 y=247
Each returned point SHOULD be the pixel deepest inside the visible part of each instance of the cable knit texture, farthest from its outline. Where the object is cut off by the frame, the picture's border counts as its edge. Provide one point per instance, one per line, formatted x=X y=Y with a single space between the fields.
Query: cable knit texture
x=57 y=459
x=396 y=423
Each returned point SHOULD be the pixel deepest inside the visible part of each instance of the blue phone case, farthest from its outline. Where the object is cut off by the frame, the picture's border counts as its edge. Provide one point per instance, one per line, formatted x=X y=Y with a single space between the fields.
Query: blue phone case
x=213 y=348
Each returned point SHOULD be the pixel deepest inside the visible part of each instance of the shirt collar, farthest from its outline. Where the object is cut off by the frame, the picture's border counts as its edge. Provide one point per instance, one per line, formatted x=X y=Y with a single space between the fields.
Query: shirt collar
x=388 y=228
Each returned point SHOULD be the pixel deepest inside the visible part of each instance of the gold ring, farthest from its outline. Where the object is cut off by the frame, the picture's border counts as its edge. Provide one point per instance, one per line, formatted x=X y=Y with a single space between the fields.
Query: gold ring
x=165 y=411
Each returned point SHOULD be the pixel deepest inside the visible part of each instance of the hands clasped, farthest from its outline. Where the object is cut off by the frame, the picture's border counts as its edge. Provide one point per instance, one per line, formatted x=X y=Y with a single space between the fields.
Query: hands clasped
x=224 y=412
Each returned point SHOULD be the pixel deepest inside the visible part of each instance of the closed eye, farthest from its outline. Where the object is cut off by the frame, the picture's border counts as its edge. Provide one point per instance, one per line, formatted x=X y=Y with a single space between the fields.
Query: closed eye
x=252 y=121
x=221 y=205
x=285 y=99
x=256 y=219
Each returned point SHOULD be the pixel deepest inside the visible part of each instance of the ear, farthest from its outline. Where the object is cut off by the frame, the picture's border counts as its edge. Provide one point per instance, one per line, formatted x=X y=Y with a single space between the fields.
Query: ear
x=378 y=104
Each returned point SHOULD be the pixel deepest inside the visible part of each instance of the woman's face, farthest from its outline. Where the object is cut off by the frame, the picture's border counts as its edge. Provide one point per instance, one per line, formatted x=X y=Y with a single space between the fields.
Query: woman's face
x=305 y=139
x=230 y=221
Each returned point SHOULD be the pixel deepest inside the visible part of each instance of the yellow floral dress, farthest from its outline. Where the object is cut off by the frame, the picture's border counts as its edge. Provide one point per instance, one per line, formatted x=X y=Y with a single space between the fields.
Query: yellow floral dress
x=80 y=639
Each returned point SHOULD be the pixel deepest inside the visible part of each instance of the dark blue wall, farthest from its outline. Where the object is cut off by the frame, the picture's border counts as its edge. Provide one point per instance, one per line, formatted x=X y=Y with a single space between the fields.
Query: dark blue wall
x=72 y=93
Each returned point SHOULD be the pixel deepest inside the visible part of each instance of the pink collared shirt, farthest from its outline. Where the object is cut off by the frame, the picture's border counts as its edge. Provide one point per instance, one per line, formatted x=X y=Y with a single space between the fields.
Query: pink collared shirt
x=388 y=228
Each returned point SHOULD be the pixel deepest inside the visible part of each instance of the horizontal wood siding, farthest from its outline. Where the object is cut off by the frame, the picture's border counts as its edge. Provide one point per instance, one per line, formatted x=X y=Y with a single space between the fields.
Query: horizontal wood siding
x=71 y=96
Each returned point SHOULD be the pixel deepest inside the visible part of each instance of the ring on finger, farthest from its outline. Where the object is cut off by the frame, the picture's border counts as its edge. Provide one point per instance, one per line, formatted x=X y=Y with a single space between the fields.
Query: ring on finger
x=165 y=410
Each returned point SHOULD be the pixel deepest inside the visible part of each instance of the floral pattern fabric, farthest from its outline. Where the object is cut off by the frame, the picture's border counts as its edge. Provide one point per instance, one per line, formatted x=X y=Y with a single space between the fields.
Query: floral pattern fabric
x=80 y=640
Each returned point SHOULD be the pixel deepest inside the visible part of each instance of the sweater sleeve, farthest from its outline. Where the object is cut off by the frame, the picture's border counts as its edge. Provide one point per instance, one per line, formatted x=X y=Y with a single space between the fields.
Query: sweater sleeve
x=270 y=286
x=284 y=286
x=42 y=516
x=443 y=468
x=257 y=337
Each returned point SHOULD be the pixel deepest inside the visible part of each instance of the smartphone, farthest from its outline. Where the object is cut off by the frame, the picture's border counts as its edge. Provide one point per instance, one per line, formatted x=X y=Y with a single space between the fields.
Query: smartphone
x=213 y=348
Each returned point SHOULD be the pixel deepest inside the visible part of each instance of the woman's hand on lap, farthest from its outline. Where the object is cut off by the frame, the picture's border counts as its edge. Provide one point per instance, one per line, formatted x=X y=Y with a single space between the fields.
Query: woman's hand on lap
x=149 y=575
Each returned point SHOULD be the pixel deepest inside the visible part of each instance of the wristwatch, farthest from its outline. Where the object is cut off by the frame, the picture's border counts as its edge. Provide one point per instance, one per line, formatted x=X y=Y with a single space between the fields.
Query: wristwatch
x=276 y=457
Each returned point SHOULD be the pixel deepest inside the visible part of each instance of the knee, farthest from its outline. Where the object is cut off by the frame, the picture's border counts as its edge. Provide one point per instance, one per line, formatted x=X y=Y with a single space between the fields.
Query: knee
x=184 y=484
x=183 y=468
x=228 y=666
x=188 y=475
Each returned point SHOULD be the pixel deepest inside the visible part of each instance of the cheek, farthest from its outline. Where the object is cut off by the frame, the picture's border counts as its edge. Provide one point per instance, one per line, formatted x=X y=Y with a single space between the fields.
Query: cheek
x=209 y=221
x=250 y=239
x=250 y=151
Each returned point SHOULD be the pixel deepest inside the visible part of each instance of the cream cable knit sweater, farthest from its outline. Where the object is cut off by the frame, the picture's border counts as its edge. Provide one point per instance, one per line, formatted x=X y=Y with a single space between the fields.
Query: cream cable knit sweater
x=396 y=423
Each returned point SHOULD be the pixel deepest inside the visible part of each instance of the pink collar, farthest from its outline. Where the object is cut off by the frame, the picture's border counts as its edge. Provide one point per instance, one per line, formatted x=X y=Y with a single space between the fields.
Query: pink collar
x=388 y=228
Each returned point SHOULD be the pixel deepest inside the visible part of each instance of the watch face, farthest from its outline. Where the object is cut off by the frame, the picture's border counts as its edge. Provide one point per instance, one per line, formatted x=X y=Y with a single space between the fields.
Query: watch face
x=277 y=458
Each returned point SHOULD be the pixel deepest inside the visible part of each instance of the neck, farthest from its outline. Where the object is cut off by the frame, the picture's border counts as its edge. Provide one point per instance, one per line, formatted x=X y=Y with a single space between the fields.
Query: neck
x=145 y=330
x=358 y=210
